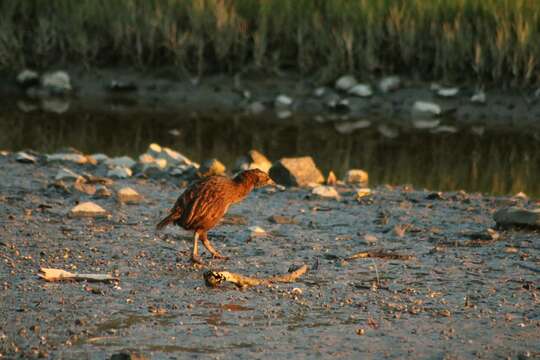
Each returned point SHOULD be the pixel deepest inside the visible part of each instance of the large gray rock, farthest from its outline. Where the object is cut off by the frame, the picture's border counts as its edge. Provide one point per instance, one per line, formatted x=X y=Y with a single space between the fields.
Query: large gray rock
x=299 y=171
x=515 y=216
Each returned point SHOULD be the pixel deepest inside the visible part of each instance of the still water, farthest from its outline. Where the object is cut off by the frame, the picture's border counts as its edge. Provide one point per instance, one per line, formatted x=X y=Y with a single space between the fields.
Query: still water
x=479 y=159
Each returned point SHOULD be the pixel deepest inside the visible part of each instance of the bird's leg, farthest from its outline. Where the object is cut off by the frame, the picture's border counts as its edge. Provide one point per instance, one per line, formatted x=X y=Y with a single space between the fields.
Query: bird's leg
x=209 y=247
x=195 y=255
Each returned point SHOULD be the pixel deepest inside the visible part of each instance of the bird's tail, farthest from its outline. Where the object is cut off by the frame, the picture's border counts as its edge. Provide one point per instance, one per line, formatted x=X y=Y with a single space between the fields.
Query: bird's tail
x=167 y=220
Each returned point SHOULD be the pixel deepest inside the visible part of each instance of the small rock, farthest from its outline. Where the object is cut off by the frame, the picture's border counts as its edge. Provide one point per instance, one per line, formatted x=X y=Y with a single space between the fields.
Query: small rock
x=283 y=114
x=182 y=170
x=58 y=82
x=319 y=92
x=27 y=78
x=362 y=192
x=256 y=231
x=88 y=209
x=25 y=158
x=67 y=157
x=479 y=97
x=121 y=161
x=361 y=90
x=253 y=160
x=256 y=107
x=389 y=83
x=357 y=176
x=154 y=150
x=55 y=105
x=283 y=101
x=103 y=192
x=82 y=186
x=153 y=169
x=212 y=167
x=67 y=174
x=426 y=124
x=370 y=239
x=296 y=291
x=345 y=82
x=514 y=216
x=119 y=172
x=331 y=179
x=326 y=192
x=175 y=158
x=346 y=128
x=129 y=196
x=447 y=92
x=298 y=171
x=444 y=129
x=426 y=107
x=100 y=157
x=387 y=131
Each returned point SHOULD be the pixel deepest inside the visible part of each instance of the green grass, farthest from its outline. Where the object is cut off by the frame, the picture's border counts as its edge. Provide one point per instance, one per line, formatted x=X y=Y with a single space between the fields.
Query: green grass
x=481 y=41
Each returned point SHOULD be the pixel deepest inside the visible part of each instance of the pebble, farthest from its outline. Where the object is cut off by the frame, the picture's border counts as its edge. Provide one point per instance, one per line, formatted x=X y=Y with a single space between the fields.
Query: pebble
x=129 y=196
x=100 y=157
x=57 y=82
x=326 y=191
x=283 y=114
x=299 y=171
x=389 y=83
x=55 y=105
x=283 y=101
x=88 y=209
x=319 y=92
x=212 y=167
x=427 y=107
x=362 y=192
x=119 y=172
x=67 y=157
x=121 y=161
x=349 y=127
x=256 y=107
x=447 y=92
x=256 y=231
x=103 y=192
x=361 y=90
x=479 y=97
x=27 y=78
x=387 y=131
x=25 y=158
x=82 y=186
x=370 y=239
x=346 y=82
x=444 y=129
x=175 y=158
x=357 y=176
x=66 y=174
x=426 y=124
x=515 y=216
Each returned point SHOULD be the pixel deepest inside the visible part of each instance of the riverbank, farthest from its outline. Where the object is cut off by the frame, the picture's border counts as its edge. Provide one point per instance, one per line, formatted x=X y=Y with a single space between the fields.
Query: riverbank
x=463 y=289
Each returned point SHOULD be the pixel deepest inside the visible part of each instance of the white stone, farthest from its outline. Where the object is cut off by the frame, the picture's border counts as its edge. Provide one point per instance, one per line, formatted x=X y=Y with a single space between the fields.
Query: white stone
x=387 y=131
x=448 y=92
x=283 y=101
x=256 y=231
x=426 y=124
x=67 y=157
x=154 y=149
x=66 y=174
x=479 y=97
x=345 y=82
x=350 y=127
x=174 y=157
x=427 y=107
x=319 y=92
x=26 y=76
x=119 y=172
x=26 y=158
x=389 y=83
x=256 y=107
x=444 y=129
x=361 y=90
x=128 y=195
x=357 y=176
x=121 y=161
x=57 y=81
x=87 y=209
x=283 y=114
x=325 y=191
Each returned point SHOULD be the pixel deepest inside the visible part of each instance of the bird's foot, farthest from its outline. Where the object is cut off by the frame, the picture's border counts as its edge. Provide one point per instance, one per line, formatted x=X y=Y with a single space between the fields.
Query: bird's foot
x=196 y=259
x=220 y=257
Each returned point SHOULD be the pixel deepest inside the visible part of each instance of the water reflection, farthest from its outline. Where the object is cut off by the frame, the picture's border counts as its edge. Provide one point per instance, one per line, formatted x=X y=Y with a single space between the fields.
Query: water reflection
x=499 y=161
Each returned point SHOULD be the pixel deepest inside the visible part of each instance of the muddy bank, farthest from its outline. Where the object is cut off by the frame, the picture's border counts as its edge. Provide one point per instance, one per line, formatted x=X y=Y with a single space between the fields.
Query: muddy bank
x=461 y=294
x=165 y=90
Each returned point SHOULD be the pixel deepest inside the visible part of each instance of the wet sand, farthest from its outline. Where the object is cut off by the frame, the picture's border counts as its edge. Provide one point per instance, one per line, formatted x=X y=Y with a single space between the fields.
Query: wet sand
x=460 y=296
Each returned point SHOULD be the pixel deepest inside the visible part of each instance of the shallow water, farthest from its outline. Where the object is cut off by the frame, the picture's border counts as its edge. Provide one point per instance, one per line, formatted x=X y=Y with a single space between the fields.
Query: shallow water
x=501 y=160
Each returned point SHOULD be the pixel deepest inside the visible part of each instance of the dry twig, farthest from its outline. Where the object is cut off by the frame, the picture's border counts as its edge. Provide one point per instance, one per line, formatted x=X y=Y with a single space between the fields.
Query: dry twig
x=216 y=278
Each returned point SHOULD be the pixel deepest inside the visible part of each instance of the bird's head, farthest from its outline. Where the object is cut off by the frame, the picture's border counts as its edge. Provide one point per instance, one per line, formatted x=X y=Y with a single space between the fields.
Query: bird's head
x=255 y=177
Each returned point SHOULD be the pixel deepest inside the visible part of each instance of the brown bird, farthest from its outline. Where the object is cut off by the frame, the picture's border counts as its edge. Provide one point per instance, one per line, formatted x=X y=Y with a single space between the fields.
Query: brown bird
x=202 y=205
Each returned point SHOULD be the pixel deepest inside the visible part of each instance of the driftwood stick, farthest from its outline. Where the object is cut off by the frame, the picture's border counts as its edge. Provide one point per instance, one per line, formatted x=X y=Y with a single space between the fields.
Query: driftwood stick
x=49 y=274
x=216 y=278
x=379 y=254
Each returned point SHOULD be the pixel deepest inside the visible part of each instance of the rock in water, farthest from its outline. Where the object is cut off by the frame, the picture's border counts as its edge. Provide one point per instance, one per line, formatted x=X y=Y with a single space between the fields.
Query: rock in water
x=448 y=92
x=326 y=192
x=362 y=90
x=119 y=172
x=27 y=78
x=58 y=82
x=389 y=83
x=25 y=158
x=298 y=171
x=88 y=209
x=129 y=196
x=283 y=101
x=357 y=176
x=212 y=167
x=426 y=107
x=515 y=216
x=346 y=82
